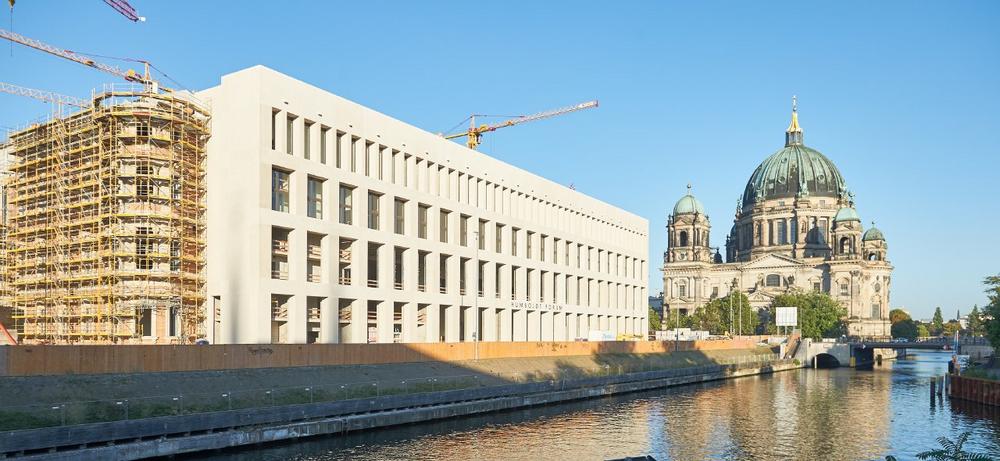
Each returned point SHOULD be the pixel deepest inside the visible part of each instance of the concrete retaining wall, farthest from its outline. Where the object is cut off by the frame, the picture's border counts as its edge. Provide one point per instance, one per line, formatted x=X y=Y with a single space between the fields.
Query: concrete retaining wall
x=62 y=360
x=185 y=434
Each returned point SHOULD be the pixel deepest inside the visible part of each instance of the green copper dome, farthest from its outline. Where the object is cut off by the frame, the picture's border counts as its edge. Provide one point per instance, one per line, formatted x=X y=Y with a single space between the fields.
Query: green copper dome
x=872 y=234
x=688 y=204
x=846 y=214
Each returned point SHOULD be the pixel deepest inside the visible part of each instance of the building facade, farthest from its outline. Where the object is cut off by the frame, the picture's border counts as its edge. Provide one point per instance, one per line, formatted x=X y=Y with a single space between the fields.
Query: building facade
x=795 y=227
x=330 y=222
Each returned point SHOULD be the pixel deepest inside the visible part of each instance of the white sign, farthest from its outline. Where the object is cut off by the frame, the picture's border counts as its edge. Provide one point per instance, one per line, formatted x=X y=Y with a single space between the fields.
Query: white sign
x=786 y=316
x=535 y=306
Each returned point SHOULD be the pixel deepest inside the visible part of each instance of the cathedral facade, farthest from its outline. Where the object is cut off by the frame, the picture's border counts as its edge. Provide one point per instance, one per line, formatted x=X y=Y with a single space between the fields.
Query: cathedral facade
x=795 y=228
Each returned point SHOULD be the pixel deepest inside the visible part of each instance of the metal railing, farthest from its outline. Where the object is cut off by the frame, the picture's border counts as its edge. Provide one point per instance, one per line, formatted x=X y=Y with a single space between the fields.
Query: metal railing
x=93 y=411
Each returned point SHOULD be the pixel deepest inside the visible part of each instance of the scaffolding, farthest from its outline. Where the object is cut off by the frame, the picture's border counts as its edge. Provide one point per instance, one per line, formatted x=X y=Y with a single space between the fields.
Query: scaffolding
x=105 y=221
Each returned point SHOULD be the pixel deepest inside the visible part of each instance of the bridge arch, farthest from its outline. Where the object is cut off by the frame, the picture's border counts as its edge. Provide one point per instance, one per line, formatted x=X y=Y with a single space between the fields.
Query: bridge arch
x=824 y=360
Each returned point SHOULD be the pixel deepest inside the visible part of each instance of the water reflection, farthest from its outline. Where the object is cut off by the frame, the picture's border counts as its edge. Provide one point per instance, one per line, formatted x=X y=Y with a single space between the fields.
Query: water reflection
x=838 y=414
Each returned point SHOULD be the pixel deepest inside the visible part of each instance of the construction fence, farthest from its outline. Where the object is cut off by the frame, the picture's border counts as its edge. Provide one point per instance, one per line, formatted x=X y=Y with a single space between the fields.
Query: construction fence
x=98 y=359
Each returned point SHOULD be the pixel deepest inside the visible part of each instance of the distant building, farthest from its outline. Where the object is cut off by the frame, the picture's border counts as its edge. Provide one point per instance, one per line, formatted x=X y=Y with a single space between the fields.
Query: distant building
x=795 y=227
x=656 y=304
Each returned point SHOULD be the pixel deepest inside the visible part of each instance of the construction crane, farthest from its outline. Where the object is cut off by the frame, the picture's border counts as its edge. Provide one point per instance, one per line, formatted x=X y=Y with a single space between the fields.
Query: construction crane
x=474 y=134
x=129 y=75
x=123 y=7
x=48 y=96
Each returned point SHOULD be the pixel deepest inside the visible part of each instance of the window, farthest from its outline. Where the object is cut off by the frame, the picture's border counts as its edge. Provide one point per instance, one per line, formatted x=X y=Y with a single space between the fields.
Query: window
x=443 y=273
x=175 y=256
x=279 y=190
x=715 y=292
x=443 y=226
x=142 y=129
x=399 y=211
x=422 y=221
x=817 y=287
x=143 y=187
x=481 y=280
x=683 y=239
x=513 y=241
x=462 y=275
x=143 y=247
x=397 y=268
x=463 y=230
x=528 y=240
x=422 y=270
x=306 y=141
x=346 y=204
x=773 y=280
x=845 y=289
x=681 y=290
x=496 y=279
x=541 y=248
x=274 y=128
x=324 y=132
x=314 y=203
x=373 y=249
x=354 y=154
x=338 y=144
x=782 y=232
x=499 y=239
x=876 y=311
x=481 y=235
x=373 y=210
x=555 y=251
x=289 y=130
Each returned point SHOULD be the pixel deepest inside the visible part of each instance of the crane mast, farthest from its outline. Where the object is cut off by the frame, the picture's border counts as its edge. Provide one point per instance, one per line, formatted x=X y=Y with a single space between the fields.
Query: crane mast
x=475 y=133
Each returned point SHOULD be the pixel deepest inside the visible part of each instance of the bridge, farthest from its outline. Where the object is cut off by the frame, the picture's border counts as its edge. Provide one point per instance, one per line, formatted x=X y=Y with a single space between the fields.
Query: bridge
x=864 y=352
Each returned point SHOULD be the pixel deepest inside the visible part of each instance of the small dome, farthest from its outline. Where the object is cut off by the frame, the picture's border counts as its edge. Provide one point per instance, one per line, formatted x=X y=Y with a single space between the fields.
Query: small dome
x=688 y=204
x=872 y=234
x=846 y=214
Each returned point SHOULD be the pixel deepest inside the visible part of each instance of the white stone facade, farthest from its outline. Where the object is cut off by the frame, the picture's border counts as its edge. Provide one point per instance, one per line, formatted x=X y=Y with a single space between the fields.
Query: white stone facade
x=330 y=222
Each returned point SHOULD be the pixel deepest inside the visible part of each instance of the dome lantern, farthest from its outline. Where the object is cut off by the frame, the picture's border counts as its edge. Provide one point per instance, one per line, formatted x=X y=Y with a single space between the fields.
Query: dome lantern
x=793 y=135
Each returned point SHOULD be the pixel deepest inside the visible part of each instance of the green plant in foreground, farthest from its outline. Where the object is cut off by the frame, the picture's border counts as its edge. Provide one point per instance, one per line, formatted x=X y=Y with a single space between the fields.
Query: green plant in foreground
x=949 y=451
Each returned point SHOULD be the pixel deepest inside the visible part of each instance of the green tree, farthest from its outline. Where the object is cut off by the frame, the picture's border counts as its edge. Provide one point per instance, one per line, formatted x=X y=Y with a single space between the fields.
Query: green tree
x=905 y=329
x=937 y=324
x=951 y=328
x=654 y=320
x=992 y=310
x=820 y=316
x=675 y=320
x=975 y=322
x=952 y=451
x=922 y=331
x=714 y=315
x=898 y=315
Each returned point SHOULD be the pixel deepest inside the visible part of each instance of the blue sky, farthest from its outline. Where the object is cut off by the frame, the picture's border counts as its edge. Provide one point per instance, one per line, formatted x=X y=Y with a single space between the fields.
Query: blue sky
x=902 y=96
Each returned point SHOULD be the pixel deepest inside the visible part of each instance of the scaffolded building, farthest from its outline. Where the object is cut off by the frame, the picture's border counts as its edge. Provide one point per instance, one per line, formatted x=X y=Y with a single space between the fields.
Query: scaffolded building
x=106 y=221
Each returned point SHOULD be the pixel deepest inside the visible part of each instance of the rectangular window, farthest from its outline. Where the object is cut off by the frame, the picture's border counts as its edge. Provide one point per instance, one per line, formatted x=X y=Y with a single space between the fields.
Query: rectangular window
x=513 y=240
x=422 y=211
x=314 y=205
x=338 y=148
x=496 y=279
x=443 y=273
x=289 y=133
x=443 y=226
x=399 y=210
x=541 y=248
x=354 y=154
x=368 y=158
x=306 y=139
x=373 y=249
x=422 y=270
x=481 y=237
x=274 y=128
x=346 y=204
x=462 y=275
x=845 y=289
x=528 y=241
x=373 y=210
x=324 y=132
x=817 y=287
x=566 y=255
x=481 y=280
x=499 y=239
x=463 y=230
x=555 y=251
x=279 y=190
x=397 y=268
x=782 y=232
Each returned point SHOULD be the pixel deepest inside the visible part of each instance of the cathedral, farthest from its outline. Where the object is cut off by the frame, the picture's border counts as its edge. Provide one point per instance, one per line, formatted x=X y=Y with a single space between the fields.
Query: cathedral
x=795 y=228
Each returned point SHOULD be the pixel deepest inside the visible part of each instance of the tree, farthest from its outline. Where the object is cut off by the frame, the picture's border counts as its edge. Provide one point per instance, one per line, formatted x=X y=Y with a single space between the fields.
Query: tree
x=654 y=320
x=819 y=315
x=714 y=315
x=898 y=315
x=992 y=310
x=975 y=322
x=922 y=331
x=952 y=451
x=951 y=328
x=905 y=329
x=937 y=324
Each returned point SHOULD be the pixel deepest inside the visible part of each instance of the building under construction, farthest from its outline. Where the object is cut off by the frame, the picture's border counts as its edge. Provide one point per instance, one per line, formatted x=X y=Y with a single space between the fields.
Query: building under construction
x=105 y=221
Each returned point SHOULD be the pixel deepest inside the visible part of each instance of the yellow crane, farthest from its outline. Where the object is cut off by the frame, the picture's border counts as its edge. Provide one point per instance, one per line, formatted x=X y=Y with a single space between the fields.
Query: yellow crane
x=129 y=75
x=474 y=134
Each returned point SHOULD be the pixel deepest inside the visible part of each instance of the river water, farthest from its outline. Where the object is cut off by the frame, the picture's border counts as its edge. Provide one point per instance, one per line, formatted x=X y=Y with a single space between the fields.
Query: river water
x=838 y=414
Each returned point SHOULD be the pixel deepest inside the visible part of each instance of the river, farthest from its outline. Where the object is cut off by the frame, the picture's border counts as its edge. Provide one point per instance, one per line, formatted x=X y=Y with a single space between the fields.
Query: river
x=838 y=414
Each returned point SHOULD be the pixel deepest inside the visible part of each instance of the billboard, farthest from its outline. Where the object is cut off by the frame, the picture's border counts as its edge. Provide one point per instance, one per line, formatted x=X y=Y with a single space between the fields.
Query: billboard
x=786 y=316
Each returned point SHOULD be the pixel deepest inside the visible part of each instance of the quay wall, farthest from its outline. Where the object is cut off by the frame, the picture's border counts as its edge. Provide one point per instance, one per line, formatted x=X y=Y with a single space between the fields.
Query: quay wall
x=974 y=389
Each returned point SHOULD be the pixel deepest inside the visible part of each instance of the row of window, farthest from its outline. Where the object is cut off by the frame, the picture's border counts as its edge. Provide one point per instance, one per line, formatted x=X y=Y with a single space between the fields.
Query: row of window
x=548 y=246
x=579 y=287
x=400 y=168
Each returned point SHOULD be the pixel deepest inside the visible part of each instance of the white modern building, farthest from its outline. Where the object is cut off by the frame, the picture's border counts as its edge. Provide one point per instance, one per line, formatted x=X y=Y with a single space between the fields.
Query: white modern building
x=330 y=222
